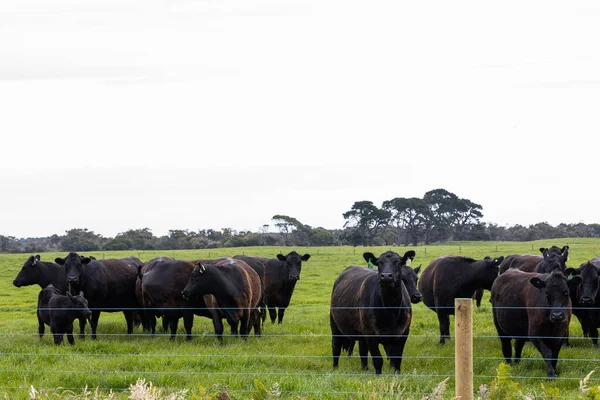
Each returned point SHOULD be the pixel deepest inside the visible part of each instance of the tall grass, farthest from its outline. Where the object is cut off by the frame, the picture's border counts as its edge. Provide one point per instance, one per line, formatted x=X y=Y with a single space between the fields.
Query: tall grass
x=292 y=360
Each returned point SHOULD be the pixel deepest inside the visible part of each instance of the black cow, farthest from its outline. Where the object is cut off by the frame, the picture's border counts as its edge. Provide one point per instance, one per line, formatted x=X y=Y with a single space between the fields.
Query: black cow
x=43 y=273
x=281 y=275
x=372 y=307
x=158 y=289
x=551 y=258
x=59 y=311
x=258 y=265
x=586 y=298
x=109 y=285
x=450 y=277
x=536 y=307
x=237 y=292
x=37 y=272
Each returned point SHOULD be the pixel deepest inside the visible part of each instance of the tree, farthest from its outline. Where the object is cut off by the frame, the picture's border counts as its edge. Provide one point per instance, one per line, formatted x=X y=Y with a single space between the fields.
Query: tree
x=81 y=240
x=467 y=215
x=409 y=217
x=367 y=219
x=442 y=206
x=286 y=226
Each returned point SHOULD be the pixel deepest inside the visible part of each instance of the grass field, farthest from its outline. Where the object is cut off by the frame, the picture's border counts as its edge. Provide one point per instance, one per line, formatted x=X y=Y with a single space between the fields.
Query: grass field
x=292 y=360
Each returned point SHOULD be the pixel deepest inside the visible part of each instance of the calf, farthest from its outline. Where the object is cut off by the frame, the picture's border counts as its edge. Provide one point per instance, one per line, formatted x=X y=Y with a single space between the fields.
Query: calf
x=281 y=275
x=109 y=285
x=586 y=298
x=37 y=272
x=59 y=311
x=237 y=292
x=372 y=307
x=450 y=277
x=536 y=307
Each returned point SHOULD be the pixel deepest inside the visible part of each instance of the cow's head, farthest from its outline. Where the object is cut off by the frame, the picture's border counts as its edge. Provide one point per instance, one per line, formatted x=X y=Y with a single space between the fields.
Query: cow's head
x=389 y=266
x=30 y=273
x=73 y=263
x=588 y=290
x=292 y=264
x=553 y=260
x=564 y=251
x=555 y=294
x=80 y=305
x=410 y=278
x=490 y=270
x=199 y=283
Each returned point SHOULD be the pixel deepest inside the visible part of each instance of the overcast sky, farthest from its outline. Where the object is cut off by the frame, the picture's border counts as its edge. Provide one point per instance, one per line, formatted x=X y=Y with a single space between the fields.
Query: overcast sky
x=127 y=114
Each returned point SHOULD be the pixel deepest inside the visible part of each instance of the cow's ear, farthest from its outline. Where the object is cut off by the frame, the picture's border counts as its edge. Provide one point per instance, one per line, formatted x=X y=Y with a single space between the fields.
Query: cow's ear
x=59 y=261
x=498 y=260
x=370 y=257
x=408 y=257
x=565 y=253
x=543 y=250
x=572 y=271
x=305 y=257
x=418 y=269
x=280 y=257
x=86 y=260
x=574 y=282
x=37 y=257
x=201 y=267
x=538 y=283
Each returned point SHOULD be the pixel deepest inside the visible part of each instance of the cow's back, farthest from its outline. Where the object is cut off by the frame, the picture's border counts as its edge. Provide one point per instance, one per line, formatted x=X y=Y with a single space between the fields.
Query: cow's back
x=347 y=298
x=110 y=282
x=509 y=297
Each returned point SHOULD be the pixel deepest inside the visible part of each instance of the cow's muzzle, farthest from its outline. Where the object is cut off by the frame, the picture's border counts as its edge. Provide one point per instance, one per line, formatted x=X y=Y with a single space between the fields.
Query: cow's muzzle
x=586 y=300
x=557 y=316
x=294 y=278
x=416 y=298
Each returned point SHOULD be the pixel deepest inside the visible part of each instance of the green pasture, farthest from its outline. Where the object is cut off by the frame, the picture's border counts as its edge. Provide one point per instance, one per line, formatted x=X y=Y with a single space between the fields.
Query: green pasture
x=292 y=360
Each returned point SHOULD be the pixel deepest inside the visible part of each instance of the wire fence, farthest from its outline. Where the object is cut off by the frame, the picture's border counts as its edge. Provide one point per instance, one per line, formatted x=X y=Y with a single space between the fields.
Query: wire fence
x=316 y=367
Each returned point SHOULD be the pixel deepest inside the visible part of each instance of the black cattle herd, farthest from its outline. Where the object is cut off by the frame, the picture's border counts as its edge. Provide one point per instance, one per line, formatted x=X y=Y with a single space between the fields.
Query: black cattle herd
x=532 y=296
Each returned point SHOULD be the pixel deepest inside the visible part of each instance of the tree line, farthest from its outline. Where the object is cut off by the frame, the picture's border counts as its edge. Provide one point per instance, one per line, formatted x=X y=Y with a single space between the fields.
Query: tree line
x=439 y=216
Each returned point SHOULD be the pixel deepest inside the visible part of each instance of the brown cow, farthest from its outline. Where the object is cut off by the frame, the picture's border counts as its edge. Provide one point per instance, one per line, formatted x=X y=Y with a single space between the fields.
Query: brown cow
x=536 y=307
x=237 y=292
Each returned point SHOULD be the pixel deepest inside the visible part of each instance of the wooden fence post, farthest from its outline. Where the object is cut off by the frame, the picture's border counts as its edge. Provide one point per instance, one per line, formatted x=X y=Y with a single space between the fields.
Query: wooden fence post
x=463 y=348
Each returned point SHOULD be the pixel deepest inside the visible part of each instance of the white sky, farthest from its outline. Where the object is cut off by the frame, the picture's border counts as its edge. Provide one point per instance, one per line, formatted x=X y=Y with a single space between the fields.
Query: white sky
x=126 y=114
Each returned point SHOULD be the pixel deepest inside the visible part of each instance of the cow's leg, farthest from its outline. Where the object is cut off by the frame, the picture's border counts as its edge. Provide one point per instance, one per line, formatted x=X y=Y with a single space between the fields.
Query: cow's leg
x=129 y=319
x=94 y=322
x=594 y=335
x=218 y=324
x=375 y=355
x=152 y=323
x=363 y=352
x=173 y=323
x=41 y=327
x=188 y=324
x=82 y=328
x=165 y=323
x=70 y=335
x=336 y=342
x=444 y=320
x=519 y=343
x=256 y=322
x=58 y=336
x=272 y=314
x=280 y=313
x=506 y=349
x=394 y=352
x=546 y=354
x=245 y=323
